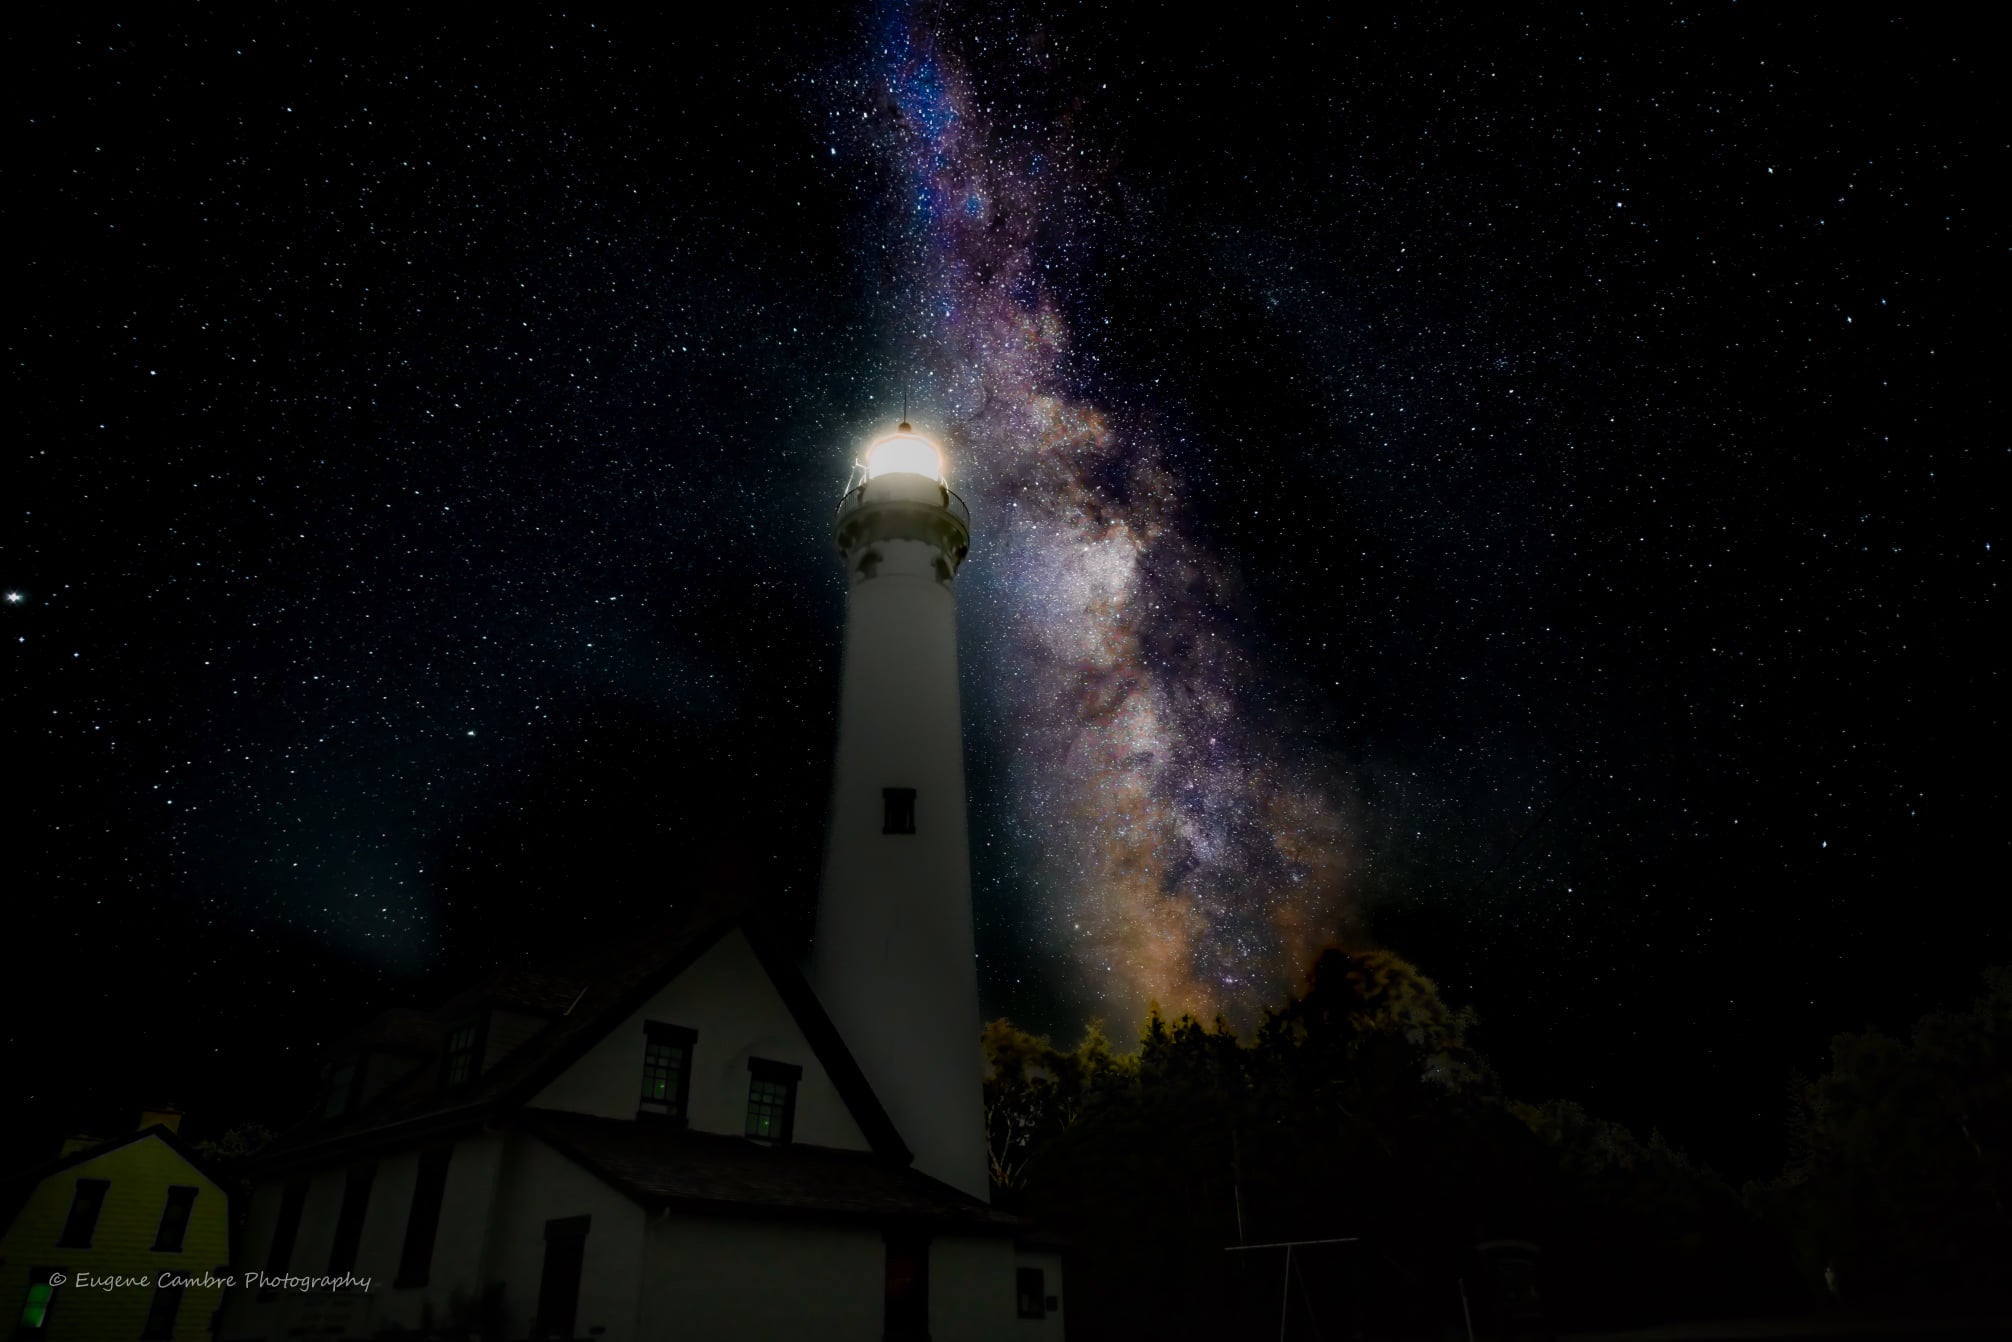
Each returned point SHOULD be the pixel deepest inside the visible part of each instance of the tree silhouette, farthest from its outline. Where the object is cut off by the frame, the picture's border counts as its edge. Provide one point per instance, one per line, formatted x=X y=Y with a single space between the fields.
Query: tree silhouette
x=1356 y=1108
x=1901 y=1162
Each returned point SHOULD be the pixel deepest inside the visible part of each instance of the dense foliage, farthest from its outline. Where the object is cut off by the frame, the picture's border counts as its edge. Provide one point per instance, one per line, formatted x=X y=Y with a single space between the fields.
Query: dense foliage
x=1900 y=1167
x=1357 y=1109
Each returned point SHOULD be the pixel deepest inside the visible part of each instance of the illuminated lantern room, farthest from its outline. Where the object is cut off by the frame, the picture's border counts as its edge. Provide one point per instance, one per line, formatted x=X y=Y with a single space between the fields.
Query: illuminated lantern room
x=904 y=452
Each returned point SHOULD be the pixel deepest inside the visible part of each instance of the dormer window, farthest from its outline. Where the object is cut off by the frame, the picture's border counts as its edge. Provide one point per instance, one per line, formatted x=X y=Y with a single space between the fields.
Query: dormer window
x=667 y=1071
x=772 y=1099
x=341 y=1087
x=461 y=1052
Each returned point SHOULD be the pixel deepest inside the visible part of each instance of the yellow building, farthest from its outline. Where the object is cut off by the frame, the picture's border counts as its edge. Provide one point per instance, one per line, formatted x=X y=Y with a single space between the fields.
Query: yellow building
x=114 y=1241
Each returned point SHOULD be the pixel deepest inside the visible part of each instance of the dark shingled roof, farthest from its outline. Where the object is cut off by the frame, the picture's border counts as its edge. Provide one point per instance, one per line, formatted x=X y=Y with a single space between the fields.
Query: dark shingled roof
x=663 y=1166
x=547 y=993
x=604 y=990
x=399 y=1030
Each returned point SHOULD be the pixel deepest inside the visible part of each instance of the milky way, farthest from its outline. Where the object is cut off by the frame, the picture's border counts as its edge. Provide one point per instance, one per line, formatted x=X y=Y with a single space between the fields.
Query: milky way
x=1180 y=855
x=1524 y=484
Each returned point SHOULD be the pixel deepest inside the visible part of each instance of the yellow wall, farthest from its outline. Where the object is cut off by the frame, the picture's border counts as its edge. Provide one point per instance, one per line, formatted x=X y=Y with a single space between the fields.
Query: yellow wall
x=123 y=1245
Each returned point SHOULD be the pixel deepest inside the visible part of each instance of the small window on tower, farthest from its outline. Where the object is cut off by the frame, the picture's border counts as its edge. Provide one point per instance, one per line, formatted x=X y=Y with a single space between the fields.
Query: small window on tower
x=900 y=810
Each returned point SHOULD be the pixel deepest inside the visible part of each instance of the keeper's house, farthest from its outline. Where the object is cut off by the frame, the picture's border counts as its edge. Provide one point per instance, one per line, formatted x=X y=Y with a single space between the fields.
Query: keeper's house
x=673 y=1142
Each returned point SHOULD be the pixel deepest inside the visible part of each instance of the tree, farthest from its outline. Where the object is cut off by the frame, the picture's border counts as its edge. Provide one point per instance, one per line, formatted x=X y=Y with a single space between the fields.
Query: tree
x=1901 y=1161
x=1034 y=1091
x=1356 y=1107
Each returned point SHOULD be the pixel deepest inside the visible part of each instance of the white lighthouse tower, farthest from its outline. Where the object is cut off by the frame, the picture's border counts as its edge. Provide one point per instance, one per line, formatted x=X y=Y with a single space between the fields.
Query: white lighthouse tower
x=893 y=959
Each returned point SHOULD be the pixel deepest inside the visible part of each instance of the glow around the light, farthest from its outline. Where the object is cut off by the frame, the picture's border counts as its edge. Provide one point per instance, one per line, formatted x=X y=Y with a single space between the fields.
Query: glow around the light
x=904 y=454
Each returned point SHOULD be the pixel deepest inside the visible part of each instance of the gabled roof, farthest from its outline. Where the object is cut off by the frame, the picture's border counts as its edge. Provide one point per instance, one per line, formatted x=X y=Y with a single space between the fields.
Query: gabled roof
x=601 y=993
x=17 y=1187
x=663 y=1166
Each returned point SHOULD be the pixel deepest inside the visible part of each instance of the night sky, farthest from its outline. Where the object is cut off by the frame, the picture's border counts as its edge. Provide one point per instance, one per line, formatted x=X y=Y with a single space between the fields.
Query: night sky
x=1525 y=492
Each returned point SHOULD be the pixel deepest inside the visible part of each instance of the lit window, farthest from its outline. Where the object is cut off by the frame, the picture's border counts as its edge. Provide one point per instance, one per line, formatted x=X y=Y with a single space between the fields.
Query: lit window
x=39 y=1302
x=772 y=1099
x=898 y=813
x=667 y=1070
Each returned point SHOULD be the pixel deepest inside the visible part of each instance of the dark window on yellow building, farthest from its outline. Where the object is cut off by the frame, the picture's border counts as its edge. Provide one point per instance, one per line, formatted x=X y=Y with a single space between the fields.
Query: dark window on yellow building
x=772 y=1099
x=161 y=1313
x=415 y=1261
x=898 y=810
x=349 y=1220
x=84 y=1209
x=461 y=1052
x=38 y=1304
x=559 y=1283
x=667 y=1070
x=1031 y=1292
x=175 y=1219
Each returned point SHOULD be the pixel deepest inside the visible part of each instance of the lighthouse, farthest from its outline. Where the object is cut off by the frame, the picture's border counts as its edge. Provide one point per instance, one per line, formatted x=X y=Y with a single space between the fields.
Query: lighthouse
x=893 y=960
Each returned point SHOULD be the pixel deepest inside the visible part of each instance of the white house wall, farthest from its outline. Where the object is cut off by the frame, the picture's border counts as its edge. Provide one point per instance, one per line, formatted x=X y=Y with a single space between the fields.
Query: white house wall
x=539 y=1185
x=467 y=1208
x=728 y=998
x=972 y=1285
x=454 y=1283
x=762 y=1281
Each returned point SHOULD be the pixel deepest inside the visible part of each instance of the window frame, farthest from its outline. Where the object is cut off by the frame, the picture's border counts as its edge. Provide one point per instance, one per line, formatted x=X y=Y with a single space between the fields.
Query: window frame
x=1039 y=1277
x=422 y=1218
x=155 y=1328
x=905 y=1317
x=279 y=1250
x=478 y=1044
x=675 y=1109
x=72 y=1236
x=340 y=1101
x=565 y=1238
x=347 y=1241
x=188 y=1215
x=37 y=1276
x=767 y=1071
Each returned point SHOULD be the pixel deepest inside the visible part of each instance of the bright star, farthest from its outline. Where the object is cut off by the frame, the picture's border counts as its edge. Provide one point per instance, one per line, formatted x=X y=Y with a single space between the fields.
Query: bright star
x=16 y=598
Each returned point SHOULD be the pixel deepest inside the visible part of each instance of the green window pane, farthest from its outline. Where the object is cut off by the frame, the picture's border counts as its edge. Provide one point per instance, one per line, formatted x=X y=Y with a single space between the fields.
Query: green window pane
x=37 y=1307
